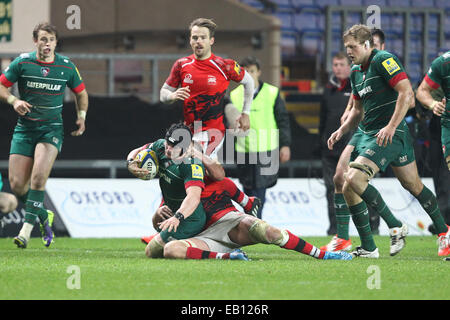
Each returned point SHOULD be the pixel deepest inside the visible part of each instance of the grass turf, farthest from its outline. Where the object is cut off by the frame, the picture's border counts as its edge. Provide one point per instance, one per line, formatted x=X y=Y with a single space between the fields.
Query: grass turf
x=118 y=269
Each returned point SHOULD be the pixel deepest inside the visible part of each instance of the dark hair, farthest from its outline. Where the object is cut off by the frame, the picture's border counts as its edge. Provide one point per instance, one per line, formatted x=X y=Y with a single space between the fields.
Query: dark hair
x=379 y=34
x=179 y=133
x=203 y=22
x=250 y=61
x=45 y=26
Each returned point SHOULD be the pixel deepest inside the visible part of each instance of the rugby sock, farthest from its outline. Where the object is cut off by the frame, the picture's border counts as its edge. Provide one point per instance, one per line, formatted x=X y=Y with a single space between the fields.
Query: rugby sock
x=195 y=253
x=342 y=216
x=373 y=198
x=300 y=245
x=237 y=195
x=360 y=217
x=429 y=203
x=34 y=207
x=23 y=198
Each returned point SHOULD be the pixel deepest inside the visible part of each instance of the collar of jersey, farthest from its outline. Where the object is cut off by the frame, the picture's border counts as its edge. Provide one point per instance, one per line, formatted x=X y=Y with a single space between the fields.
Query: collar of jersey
x=366 y=66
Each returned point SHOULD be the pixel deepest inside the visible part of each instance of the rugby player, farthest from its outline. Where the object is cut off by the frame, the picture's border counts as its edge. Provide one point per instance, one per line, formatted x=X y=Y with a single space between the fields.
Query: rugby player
x=226 y=229
x=200 y=82
x=342 y=241
x=438 y=76
x=42 y=77
x=382 y=95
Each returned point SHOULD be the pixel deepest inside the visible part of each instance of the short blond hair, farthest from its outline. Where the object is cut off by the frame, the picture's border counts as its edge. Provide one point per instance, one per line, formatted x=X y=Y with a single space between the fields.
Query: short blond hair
x=360 y=33
x=204 y=22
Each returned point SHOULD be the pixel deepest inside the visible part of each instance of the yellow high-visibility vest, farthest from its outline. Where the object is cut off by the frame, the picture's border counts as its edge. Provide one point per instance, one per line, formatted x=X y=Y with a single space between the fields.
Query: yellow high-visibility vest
x=263 y=134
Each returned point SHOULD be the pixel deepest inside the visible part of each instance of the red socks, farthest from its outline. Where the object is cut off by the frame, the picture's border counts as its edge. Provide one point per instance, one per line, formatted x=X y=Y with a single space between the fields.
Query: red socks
x=195 y=253
x=300 y=245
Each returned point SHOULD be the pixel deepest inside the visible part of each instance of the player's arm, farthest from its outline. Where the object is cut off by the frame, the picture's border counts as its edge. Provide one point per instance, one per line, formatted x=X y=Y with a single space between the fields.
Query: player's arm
x=347 y=109
x=7 y=79
x=213 y=168
x=354 y=117
x=170 y=94
x=162 y=213
x=249 y=89
x=188 y=206
x=81 y=105
x=426 y=99
x=132 y=164
x=404 y=101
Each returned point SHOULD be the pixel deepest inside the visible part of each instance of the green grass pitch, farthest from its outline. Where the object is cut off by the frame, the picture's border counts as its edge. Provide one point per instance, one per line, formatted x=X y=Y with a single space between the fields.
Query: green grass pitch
x=118 y=269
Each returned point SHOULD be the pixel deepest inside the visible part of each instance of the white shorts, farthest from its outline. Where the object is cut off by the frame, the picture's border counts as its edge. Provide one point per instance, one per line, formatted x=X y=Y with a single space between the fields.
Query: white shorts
x=216 y=235
x=211 y=149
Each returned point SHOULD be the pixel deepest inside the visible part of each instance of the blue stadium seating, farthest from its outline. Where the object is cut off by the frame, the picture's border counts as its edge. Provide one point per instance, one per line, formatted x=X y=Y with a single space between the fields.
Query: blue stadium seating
x=352 y=2
x=287 y=20
x=309 y=21
x=312 y=44
x=324 y=3
x=399 y=3
x=381 y=3
x=422 y=3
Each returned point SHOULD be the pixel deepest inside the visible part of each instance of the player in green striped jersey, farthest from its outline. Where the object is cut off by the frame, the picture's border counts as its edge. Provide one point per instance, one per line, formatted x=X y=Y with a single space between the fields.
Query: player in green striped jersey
x=383 y=95
x=42 y=77
x=439 y=76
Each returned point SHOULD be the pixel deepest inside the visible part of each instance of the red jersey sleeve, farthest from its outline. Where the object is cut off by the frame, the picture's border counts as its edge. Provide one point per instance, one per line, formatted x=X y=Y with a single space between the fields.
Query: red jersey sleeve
x=233 y=70
x=174 y=79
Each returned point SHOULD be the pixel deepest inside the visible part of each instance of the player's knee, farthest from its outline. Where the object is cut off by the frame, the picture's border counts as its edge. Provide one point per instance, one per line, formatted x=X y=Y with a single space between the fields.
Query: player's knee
x=154 y=249
x=261 y=232
x=175 y=250
x=338 y=179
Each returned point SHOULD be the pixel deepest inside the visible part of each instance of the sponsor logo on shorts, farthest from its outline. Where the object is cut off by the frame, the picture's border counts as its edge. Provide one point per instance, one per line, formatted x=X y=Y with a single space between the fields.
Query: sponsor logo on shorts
x=403 y=159
x=391 y=66
x=370 y=152
x=383 y=161
x=55 y=140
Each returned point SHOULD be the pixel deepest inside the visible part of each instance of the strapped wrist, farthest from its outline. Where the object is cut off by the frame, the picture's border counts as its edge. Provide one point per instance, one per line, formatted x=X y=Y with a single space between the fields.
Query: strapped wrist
x=11 y=99
x=179 y=216
x=433 y=104
x=82 y=114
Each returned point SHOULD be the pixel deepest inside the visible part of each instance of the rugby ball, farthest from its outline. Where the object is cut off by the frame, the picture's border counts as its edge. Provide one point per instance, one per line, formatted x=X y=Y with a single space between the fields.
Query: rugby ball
x=147 y=159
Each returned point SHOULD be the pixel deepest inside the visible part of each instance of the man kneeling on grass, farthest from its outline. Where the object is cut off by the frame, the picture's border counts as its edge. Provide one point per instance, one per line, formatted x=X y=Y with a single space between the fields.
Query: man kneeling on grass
x=226 y=229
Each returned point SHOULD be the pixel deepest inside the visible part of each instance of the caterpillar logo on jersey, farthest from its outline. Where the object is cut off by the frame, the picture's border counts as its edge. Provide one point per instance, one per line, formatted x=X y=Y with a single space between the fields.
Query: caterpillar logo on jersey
x=391 y=66
x=197 y=171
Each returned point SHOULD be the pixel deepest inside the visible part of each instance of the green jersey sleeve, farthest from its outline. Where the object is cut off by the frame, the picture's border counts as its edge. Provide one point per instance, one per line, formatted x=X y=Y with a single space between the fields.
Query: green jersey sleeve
x=434 y=75
x=11 y=73
x=75 y=81
x=193 y=173
x=390 y=68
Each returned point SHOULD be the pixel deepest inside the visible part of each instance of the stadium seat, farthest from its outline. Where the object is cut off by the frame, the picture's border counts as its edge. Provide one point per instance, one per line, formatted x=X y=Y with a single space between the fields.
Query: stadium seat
x=336 y=19
x=442 y=4
x=416 y=22
x=324 y=3
x=302 y=3
x=312 y=44
x=381 y=3
x=253 y=3
x=352 y=3
x=308 y=21
x=422 y=3
x=287 y=20
x=288 y=45
x=353 y=18
x=399 y=3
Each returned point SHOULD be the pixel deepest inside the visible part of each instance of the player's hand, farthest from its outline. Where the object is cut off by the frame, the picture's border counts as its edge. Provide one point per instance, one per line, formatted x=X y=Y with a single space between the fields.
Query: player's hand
x=170 y=224
x=164 y=212
x=385 y=135
x=285 y=154
x=243 y=122
x=22 y=107
x=439 y=108
x=335 y=137
x=81 y=127
x=136 y=171
x=182 y=93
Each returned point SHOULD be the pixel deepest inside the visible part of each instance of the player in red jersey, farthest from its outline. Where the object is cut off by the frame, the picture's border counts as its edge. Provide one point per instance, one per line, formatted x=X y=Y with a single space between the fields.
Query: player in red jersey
x=200 y=81
x=227 y=229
